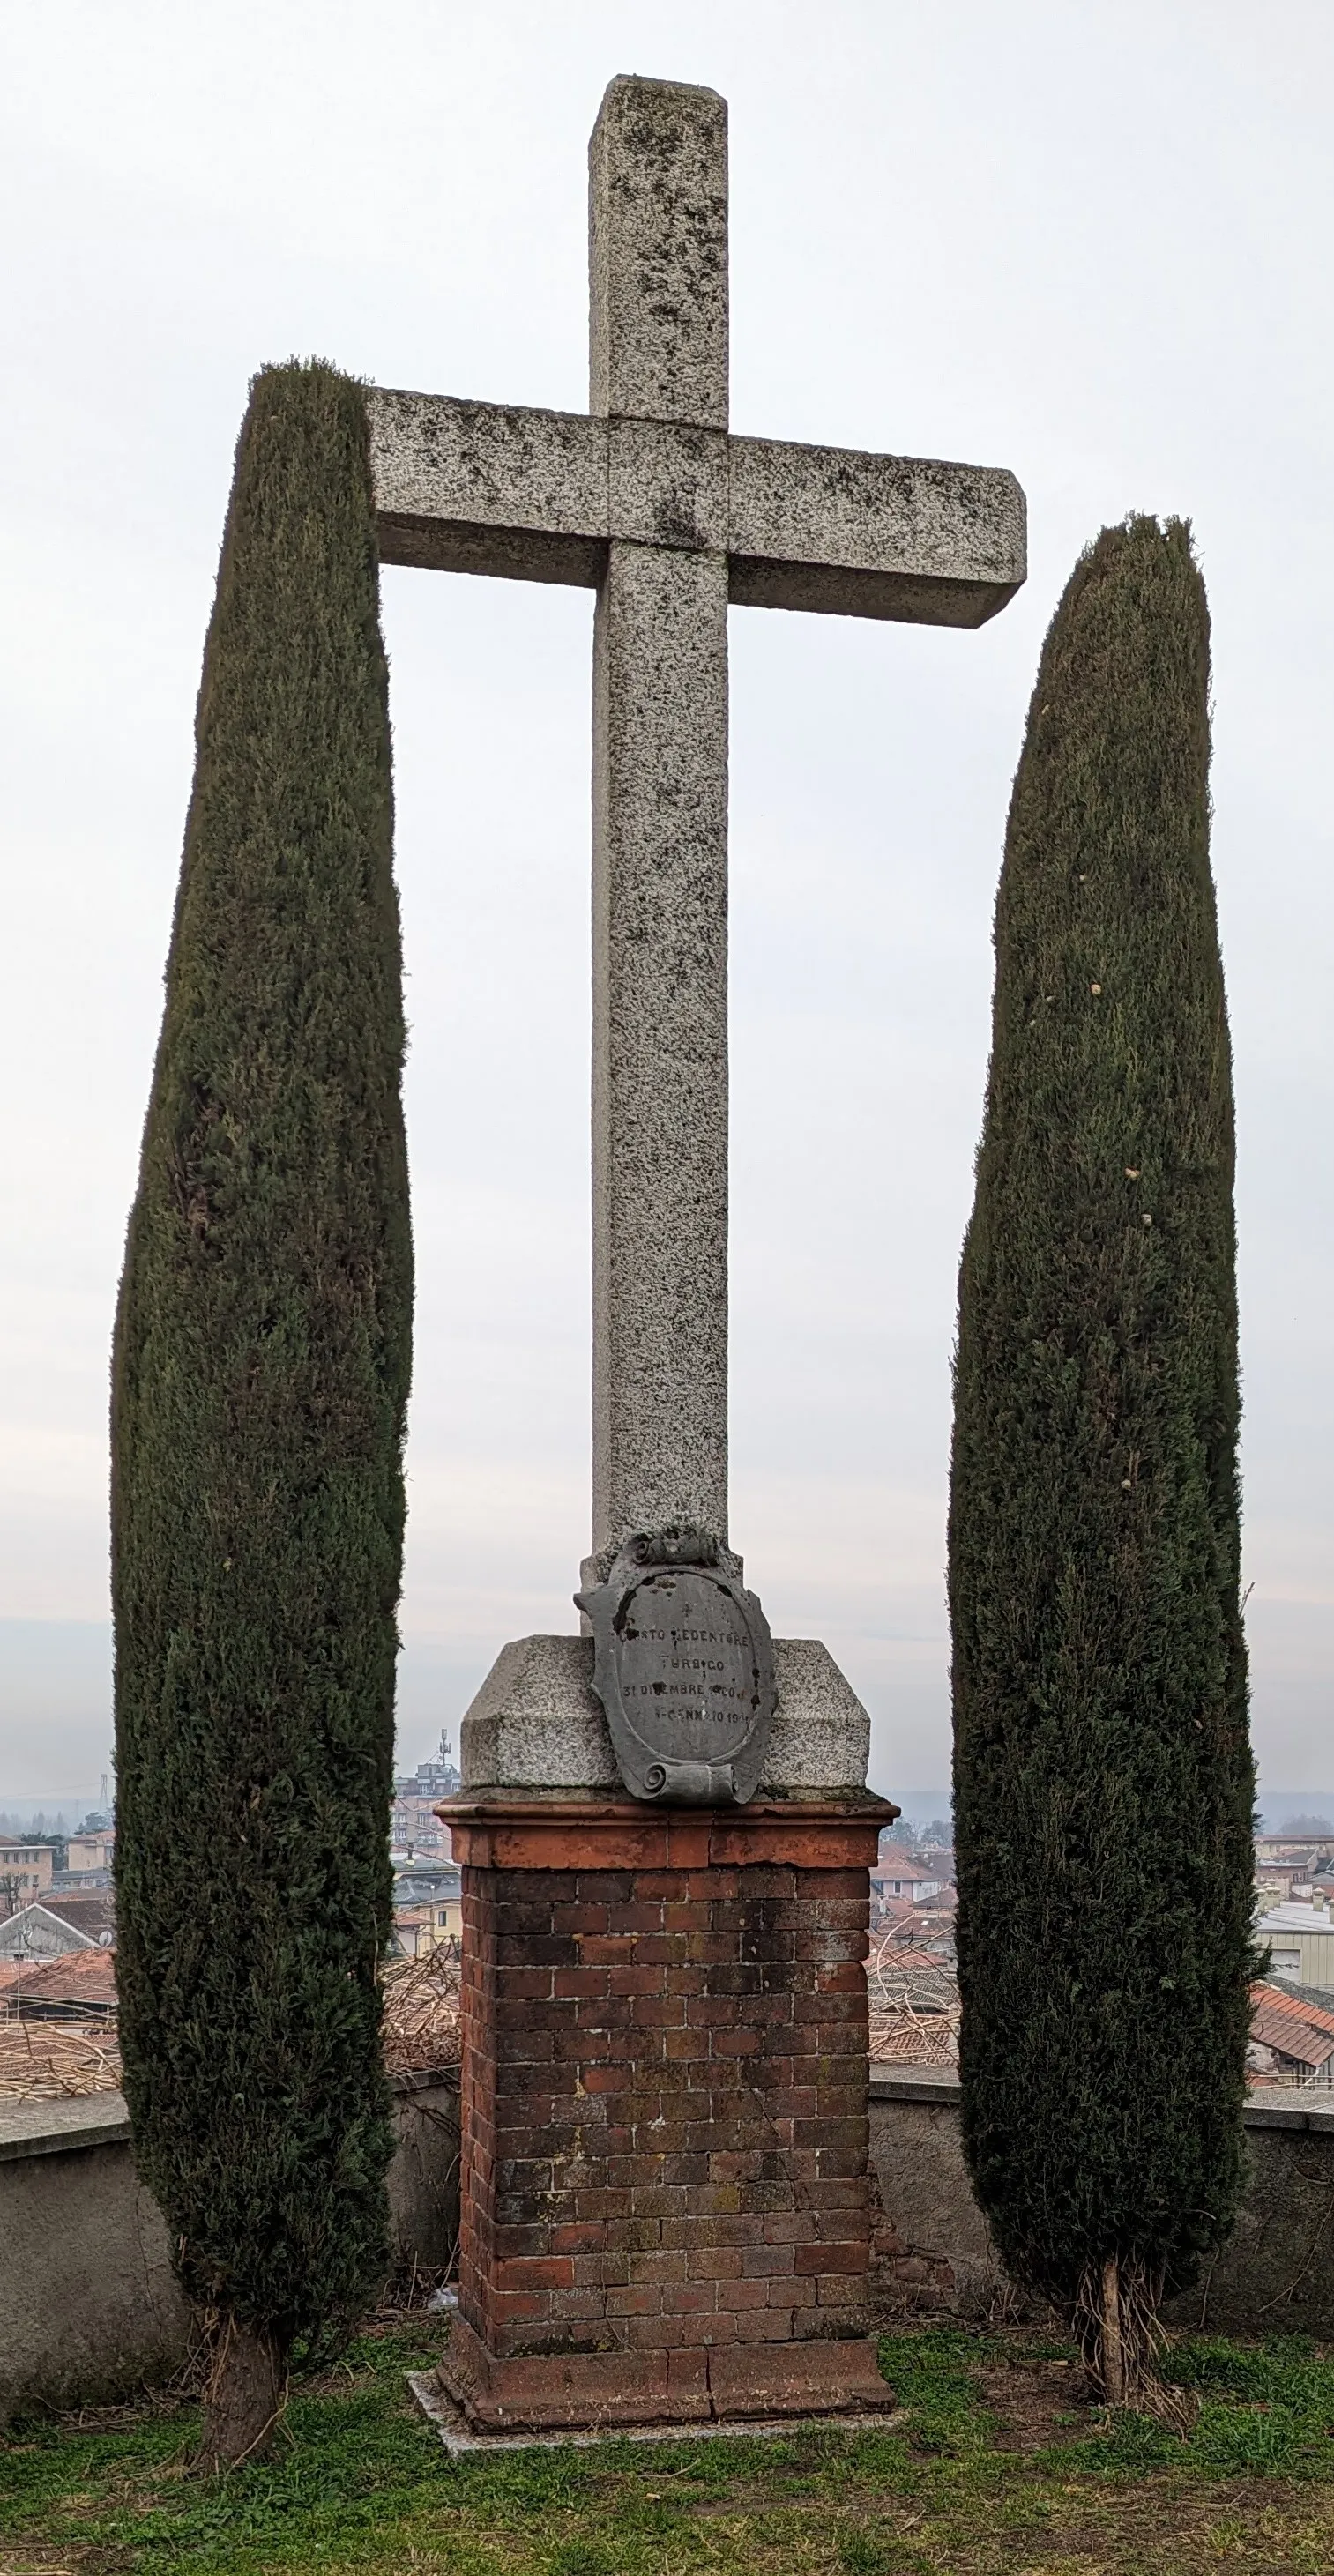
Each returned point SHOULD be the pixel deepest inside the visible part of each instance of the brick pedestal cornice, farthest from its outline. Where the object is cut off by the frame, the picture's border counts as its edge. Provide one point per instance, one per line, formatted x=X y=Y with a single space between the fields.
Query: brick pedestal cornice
x=666 y=2208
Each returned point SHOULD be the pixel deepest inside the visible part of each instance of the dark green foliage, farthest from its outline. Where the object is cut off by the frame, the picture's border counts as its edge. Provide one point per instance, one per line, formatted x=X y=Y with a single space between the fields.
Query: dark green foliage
x=260 y=1384
x=1103 y=1781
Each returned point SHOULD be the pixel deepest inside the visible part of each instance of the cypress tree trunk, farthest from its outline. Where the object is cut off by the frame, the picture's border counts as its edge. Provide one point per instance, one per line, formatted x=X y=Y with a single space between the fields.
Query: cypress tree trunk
x=1103 y=1779
x=260 y=1383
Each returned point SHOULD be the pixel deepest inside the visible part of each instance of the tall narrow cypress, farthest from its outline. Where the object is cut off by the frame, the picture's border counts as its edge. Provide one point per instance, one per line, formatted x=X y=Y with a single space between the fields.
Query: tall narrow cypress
x=260 y=1381
x=1103 y=1778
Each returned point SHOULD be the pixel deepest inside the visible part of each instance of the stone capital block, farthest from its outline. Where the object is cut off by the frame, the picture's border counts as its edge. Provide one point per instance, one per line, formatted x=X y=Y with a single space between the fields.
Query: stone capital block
x=536 y=1723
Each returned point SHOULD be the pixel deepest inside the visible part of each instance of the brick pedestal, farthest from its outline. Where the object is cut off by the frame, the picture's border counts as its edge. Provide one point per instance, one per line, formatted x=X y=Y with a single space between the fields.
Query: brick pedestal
x=666 y=2203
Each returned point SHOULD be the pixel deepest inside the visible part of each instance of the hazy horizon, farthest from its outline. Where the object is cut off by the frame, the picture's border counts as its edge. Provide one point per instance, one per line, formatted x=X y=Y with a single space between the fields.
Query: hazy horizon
x=432 y=1694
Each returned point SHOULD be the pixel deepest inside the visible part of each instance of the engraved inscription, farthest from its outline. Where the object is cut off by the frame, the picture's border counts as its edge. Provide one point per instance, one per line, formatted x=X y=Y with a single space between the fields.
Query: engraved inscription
x=683 y=1665
x=686 y=1666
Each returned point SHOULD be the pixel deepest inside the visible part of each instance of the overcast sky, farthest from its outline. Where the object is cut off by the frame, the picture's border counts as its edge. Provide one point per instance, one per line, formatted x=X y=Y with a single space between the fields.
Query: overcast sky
x=1090 y=242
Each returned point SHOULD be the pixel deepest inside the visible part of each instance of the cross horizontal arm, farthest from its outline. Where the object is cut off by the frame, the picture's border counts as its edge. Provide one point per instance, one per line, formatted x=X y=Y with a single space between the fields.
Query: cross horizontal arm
x=539 y=495
x=488 y=487
x=852 y=535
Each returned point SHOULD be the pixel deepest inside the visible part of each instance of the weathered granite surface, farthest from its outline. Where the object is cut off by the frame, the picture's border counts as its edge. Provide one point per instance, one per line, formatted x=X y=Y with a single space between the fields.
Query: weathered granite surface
x=489 y=487
x=537 y=1724
x=649 y=498
x=821 y=1734
x=660 y=1094
x=657 y=177
x=534 y=495
x=900 y=537
x=657 y=252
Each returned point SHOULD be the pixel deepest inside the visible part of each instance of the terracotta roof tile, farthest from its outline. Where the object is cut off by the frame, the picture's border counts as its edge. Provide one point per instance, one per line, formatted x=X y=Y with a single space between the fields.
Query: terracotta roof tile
x=88 y=1910
x=902 y=2040
x=1297 y=2030
x=82 y=1976
x=1317 y=2015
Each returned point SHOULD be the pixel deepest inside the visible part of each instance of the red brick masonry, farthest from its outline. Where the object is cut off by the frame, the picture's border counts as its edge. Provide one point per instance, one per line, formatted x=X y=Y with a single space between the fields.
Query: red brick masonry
x=666 y=2202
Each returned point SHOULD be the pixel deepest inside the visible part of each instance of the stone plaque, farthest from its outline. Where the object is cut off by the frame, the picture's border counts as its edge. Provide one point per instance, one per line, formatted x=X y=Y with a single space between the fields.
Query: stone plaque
x=683 y=1666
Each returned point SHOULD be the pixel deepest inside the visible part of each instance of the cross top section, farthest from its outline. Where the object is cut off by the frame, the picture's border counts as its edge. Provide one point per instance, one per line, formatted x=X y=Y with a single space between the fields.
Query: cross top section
x=657 y=253
x=649 y=500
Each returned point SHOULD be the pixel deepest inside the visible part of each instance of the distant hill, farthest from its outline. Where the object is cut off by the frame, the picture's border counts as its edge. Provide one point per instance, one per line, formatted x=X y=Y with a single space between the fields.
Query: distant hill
x=1279 y=1806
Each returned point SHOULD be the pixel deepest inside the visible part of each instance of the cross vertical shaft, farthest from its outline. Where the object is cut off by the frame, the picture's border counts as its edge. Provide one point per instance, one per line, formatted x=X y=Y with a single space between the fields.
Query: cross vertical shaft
x=658 y=278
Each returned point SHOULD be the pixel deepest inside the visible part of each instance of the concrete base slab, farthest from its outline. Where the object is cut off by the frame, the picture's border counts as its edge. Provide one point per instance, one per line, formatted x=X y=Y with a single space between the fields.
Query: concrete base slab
x=536 y=1722
x=566 y=2391
x=458 y=2438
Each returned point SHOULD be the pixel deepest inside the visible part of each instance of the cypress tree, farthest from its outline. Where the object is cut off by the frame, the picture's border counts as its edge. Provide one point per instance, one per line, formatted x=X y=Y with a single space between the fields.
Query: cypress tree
x=260 y=1381
x=1103 y=1779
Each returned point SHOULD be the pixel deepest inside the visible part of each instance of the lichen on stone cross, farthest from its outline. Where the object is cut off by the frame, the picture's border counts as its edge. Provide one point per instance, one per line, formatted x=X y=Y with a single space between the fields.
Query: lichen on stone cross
x=652 y=502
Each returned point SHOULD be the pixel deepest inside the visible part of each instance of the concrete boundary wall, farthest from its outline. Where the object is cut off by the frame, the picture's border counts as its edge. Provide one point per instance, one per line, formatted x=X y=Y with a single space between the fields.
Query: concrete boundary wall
x=89 y=2306
x=1275 y=2275
x=89 y=2309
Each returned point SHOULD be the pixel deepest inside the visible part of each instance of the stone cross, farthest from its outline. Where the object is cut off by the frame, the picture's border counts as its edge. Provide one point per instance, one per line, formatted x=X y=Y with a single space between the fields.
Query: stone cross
x=650 y=500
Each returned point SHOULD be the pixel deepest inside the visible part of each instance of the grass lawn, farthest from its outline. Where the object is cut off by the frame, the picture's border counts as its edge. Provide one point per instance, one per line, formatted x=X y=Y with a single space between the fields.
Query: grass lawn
x=1001 y=2468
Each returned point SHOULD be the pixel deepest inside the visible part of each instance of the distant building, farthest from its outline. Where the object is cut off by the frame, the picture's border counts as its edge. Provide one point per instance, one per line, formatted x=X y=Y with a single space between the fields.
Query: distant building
x=1278 y=1880
x=1303 y=1849
x=90 y=1849
x=899 y=1874
x=90 y=1910
x=1301 y=1942
x=25 y=1870
x=428 y=1905
x=42 y=1932
x=414 y=1826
